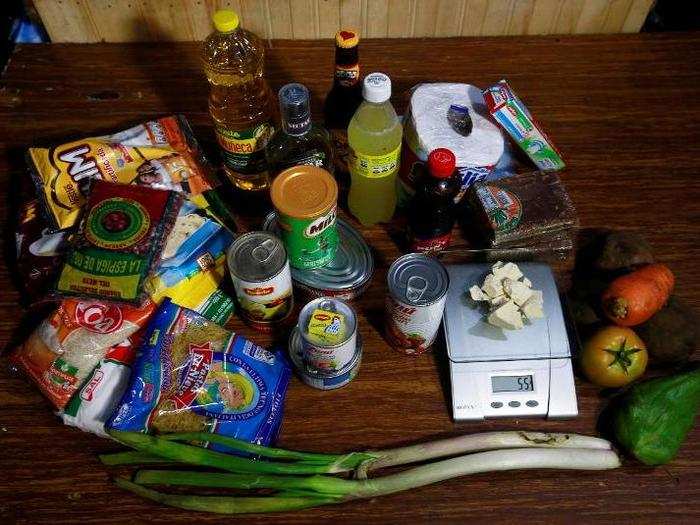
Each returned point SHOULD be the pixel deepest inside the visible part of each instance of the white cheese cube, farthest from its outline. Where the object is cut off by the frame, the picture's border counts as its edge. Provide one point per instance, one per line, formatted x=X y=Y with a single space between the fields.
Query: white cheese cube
x=498 y=301
x=517 y=291
x=532 y=310
x=492 y=286
x=496 y=266
x=506 y=316
x=508 y=271
x=537 y=297
x=477 y=294
x=527 y=282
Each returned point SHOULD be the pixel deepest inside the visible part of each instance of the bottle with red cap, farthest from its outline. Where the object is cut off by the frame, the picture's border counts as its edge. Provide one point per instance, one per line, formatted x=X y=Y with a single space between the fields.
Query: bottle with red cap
x=432 y=210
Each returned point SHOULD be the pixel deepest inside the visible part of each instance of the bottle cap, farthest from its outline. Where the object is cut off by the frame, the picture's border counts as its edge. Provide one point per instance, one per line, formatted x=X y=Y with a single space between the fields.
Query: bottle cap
x=225 y=20
x=346 y=38
x=294 y=107
x=441 y=163
x=376 y=88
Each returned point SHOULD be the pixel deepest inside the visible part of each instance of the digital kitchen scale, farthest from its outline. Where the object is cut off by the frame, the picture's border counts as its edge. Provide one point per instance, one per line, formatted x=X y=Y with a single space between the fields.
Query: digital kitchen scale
x=507 y=373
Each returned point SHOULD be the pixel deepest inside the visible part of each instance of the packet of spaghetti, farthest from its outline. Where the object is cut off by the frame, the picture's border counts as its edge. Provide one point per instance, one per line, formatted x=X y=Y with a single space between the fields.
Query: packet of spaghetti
x=160 y=154
x=192 y=266
x=192 y=375
x=120 y=238
x=65 y=348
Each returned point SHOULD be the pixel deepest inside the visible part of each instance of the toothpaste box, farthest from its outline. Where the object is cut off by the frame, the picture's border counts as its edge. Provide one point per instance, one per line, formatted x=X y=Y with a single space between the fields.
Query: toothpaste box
x=510 y=112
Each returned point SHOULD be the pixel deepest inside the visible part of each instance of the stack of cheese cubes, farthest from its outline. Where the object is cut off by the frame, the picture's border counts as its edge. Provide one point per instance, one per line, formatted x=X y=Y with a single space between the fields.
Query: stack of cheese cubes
x=510 y=297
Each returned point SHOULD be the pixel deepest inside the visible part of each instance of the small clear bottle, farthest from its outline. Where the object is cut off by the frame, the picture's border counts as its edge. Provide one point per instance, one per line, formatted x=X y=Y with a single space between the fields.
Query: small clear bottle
x=299 y=141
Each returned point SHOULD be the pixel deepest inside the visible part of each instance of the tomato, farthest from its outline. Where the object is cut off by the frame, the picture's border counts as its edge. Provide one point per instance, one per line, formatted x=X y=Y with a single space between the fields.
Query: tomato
x=614 y=356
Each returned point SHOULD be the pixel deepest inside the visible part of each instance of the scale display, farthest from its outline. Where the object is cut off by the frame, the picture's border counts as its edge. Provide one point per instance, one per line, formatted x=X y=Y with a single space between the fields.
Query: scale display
x=512 y=384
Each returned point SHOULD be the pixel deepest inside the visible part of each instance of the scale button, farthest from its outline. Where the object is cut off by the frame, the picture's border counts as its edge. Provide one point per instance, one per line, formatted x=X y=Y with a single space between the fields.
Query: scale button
x=532 y=403
x=514 y=404
x=496 y=404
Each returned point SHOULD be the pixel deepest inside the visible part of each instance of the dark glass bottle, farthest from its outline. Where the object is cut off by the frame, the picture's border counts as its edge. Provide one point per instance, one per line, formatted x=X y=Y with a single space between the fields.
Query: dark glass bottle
x=432 y=209
x=299 y=141
x=345 y=95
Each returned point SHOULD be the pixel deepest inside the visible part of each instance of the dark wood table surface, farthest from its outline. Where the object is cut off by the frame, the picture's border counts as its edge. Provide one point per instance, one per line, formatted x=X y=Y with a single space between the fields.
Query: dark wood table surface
x=625 y=111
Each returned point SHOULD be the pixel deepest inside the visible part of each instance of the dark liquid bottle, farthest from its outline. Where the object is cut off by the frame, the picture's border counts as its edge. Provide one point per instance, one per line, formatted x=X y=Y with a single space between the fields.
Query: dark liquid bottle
x=432 y=210
x=345 y=95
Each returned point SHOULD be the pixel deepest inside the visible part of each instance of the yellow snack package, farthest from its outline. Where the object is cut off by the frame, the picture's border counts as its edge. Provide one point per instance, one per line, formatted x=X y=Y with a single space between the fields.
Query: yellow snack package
x=161 y=153
x=327 y=327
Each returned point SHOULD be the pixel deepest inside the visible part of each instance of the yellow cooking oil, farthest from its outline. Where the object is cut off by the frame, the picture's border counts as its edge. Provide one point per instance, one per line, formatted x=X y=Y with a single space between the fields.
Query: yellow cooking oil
x=374 y=140
x=239 y=100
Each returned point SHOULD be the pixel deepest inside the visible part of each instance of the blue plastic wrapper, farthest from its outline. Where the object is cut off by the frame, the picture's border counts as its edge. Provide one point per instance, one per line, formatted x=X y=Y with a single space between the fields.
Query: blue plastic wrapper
x=192 y=375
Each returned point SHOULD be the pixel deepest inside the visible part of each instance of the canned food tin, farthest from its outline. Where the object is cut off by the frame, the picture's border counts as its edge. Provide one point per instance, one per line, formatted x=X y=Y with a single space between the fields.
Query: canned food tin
x=336 y=315
x=417 y=291
x=305 y=198
x=317 y=379
x=346 y=276
x=260 y=273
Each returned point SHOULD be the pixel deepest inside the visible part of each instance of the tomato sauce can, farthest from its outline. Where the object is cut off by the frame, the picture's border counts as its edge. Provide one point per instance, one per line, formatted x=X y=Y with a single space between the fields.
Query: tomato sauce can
x=317 y=379
x=345 y=277
x=320 y=356
x=415 y=302
x=306 y=199
x=261 y=277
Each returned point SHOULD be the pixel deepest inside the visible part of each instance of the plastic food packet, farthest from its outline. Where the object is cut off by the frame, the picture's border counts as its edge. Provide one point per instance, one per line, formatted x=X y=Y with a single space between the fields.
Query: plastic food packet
x=514 y=117
x=91 y=406
x=39 y=252
x=120 y=238
x=160 y=153
x=193 y=266
x=192 y=375
x=523 y=209
x=65 y=348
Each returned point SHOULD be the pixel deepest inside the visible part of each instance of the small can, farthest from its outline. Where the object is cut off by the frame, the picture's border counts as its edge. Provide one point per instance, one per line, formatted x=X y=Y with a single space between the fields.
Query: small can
x=331 y=317
x=306 y=198
x=261 y=277
x=346 y=276
x=416 y=299
x=319 y=380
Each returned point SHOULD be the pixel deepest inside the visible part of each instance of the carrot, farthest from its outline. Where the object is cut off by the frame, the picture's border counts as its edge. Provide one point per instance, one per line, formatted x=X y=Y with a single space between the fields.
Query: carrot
x=633 y=298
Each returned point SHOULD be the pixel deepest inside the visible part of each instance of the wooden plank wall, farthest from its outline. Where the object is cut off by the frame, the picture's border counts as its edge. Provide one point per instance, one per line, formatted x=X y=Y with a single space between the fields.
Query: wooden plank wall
x=152 y=20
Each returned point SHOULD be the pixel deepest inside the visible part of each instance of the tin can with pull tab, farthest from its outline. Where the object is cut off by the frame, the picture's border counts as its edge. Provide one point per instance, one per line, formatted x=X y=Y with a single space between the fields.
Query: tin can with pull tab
x=415 y=302
x=261 y=276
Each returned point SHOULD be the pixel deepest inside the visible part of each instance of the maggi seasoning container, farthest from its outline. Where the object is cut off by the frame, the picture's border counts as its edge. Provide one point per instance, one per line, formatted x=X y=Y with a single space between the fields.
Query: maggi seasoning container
x=336 y=320
x=305 y=198
x=260 y=273
x=415 y=301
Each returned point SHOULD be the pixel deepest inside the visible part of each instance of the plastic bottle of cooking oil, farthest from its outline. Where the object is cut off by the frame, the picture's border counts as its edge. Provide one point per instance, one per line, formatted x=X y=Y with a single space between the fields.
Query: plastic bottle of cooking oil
x=374 y=137
x=239 y=100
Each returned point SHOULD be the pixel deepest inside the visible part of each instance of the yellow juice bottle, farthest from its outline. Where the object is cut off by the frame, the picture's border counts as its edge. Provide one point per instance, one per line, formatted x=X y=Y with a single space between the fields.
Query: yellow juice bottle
x=239 y=100
x=374 y=138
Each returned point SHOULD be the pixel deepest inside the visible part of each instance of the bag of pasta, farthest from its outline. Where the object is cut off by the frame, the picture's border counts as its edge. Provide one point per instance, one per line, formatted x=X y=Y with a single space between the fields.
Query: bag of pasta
x=192 y=375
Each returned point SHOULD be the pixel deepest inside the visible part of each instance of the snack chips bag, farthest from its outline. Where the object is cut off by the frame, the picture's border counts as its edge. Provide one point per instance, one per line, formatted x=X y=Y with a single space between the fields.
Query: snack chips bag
x=65 y=348
x=160 y=154
x=121 y=236
x=192 y=375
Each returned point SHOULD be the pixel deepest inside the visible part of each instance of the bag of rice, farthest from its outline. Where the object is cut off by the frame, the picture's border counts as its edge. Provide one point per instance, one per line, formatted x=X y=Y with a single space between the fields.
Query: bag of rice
x=91 y=407
x=193 y=375
x=65 y=348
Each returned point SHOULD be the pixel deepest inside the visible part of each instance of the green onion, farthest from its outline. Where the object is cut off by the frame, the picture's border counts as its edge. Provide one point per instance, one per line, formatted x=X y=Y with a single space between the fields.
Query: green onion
x=226 y=504
x=130 y=457
x=303 y=492
x=195 y=455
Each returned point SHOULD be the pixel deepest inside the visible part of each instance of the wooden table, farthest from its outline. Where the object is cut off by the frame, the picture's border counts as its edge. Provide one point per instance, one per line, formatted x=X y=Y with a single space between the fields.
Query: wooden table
x=625 y=111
